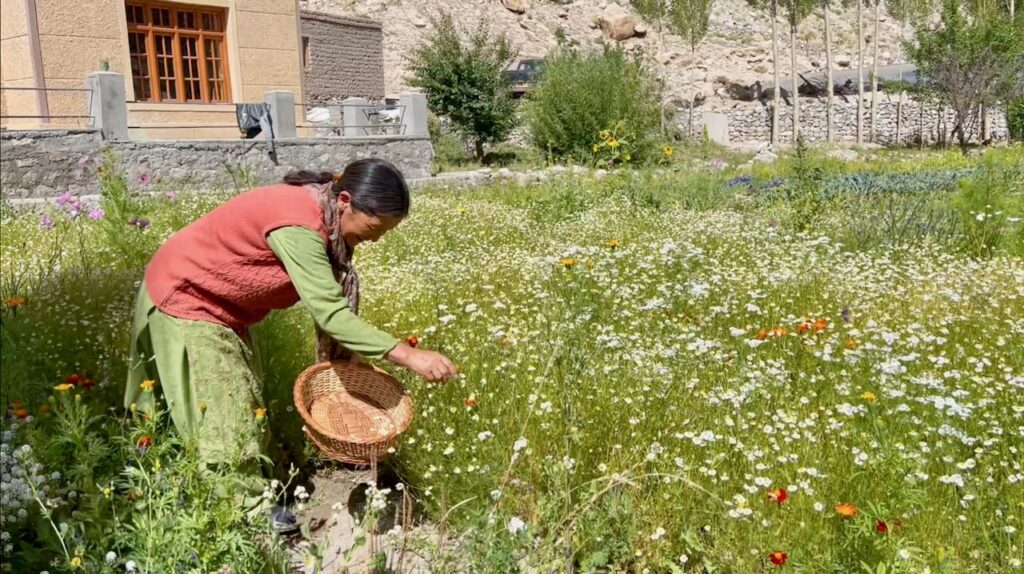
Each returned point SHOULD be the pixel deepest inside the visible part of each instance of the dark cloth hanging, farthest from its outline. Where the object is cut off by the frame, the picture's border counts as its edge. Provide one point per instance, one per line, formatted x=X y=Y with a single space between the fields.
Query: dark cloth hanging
x=254 y=119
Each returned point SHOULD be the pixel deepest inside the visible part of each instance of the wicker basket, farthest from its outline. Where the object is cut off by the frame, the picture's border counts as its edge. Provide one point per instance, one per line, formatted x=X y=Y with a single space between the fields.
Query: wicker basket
x=353 y=412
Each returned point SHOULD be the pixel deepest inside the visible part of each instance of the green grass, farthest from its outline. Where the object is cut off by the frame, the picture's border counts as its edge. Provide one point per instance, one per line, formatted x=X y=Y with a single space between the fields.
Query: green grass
x=628 y=394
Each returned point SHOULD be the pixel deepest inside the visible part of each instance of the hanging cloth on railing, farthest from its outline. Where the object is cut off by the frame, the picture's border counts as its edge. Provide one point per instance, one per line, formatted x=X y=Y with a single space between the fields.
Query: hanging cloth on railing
x=253 y=119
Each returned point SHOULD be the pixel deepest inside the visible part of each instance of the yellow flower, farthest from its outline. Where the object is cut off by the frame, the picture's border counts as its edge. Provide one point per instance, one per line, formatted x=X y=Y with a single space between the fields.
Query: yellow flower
x=613 y=243
x=613 y=143
x=261 y=413
x=202 y=407
x=133 y=407
x=868 y=396
x=76 y=562
x=667 y=150
x=147 y=385
x=156 y=465
x=606 y=135
x=462 y=210
x=627 y=157
x=63 y=387
x=107 y=491
x=596 y=147
x=14 y=302
x=568 y=262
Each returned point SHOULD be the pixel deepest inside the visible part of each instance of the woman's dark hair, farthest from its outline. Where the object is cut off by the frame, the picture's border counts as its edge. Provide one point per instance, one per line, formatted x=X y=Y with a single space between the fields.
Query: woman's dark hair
x=376 y=186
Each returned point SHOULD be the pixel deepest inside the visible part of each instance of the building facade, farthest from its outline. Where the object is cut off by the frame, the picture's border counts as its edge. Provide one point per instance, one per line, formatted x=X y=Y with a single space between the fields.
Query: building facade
x=342 y=58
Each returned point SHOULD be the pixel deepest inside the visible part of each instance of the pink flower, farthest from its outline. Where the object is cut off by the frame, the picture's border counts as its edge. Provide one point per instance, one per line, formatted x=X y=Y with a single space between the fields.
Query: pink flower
x=96 y=214
x=47 y=222
x=170 y=195
x=83 y=160
x=144 y=179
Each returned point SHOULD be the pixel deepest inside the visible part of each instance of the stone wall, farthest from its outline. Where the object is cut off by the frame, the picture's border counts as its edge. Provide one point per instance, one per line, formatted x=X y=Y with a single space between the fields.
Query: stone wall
x=344 y=58
x=751 y=123
x=45 y=164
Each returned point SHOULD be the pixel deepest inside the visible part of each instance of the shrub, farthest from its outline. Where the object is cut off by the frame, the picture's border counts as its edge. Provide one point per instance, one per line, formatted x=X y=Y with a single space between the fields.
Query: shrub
x=1015 y=118
x=985 y=205
x=465 y=80
x=582 y=94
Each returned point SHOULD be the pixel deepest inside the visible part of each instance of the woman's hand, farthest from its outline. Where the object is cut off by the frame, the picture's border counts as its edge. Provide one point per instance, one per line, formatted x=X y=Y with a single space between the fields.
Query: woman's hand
x=430 y=365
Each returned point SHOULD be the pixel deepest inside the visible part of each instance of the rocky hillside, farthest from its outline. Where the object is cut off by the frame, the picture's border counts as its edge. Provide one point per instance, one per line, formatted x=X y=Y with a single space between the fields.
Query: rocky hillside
x=736 y=51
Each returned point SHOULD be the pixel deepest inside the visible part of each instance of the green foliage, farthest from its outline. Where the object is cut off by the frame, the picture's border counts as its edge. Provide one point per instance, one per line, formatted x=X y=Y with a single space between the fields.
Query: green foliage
x=986 y=204
x=969 y=64
x=803 y=194
x=582 y=94
x=688 y=18
x=464 y=79
x=1015 y=115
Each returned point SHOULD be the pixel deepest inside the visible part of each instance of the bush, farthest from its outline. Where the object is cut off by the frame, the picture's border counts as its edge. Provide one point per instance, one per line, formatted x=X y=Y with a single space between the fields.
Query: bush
x=465 y=81
x=1015 y=119
x=581 y=95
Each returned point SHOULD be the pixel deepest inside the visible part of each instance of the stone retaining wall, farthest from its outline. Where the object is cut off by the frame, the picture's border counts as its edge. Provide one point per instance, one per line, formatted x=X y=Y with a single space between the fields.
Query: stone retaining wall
x=46 y=164
x=751 y=123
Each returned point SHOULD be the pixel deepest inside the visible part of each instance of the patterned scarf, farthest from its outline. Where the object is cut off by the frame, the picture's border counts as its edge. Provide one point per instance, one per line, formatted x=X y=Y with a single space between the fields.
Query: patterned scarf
x=327 y=349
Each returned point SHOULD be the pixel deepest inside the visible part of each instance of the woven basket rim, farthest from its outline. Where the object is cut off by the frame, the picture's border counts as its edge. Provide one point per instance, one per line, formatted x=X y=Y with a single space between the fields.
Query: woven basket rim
x=300 y=404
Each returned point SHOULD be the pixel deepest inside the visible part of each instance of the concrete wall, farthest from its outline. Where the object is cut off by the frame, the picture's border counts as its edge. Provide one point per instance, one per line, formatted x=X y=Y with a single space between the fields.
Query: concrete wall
x=263 y=53
x=37 y=164
x=346 y=58
x=751 y=123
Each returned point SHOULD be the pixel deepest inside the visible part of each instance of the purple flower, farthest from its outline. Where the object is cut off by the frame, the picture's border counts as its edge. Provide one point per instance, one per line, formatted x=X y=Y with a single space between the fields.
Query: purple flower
x=47 y=222
x=64 y=199
x=170 y=195
x=96 y=214
x=142 y=224
x=144 y=179
x=846 y=314
x=83 y=160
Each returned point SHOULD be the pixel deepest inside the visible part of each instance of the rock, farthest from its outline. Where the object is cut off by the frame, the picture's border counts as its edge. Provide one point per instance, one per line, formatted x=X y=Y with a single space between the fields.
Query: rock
x=517 y=6
x=843 y=154
x=765 y=156
x=761 y=68
x=617 y=23
x=418 y=21
x=600 y=174
x=698 y=75
x=842 y=60
x=504 y=172
x=640 y=29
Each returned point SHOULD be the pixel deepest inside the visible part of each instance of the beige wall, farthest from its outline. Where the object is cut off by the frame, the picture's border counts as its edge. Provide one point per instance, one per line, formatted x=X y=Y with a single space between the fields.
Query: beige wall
x=76 y=35
x=16 y=63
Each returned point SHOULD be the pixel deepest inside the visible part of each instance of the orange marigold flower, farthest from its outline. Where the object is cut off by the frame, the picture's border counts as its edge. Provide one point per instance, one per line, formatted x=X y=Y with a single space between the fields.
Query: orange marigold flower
x=568 y=262
x=260 y=413
x=820 y=325
x=846 y=510
x=412 y=341
x=778 y=557
x=778 y=332
x=851 y=344
x=145 y=441
x=613 y=243
x=803 y=328
x=147 y=385
x=44 y=409
x=762 y=335
x=21 y=413
x=14 y=302
x=778 y=495
x=470 y=401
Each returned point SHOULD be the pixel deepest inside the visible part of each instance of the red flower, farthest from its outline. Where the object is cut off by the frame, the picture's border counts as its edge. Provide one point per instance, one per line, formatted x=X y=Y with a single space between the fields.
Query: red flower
x=881 y=527
x=803 y=328
x=778 y=495
x=73 y=379
x=88 y=383
x=21 y=412
x=144 y=443
x=778 y=557
x=412 y=341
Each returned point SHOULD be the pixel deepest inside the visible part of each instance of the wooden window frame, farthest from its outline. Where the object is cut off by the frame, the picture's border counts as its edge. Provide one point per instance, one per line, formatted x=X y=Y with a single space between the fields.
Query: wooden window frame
x=201 y=36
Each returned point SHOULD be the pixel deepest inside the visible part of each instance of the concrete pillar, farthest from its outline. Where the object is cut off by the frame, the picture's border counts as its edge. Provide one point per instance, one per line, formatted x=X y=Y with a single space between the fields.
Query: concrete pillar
x=282 y=113
x=414 y=118
x=109 y=108
x=355 y=118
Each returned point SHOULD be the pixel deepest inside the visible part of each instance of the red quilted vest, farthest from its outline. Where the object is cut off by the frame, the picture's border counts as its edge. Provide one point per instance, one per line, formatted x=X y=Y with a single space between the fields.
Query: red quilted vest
x=220 y=268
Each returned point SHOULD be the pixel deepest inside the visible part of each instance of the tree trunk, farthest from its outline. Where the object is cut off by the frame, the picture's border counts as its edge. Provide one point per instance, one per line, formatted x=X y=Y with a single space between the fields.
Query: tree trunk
x=920 y=126
x=899 y=118
x=796 y=81
x=860 y=72
x=828 y=77
x=776 y=93
x=874 y=74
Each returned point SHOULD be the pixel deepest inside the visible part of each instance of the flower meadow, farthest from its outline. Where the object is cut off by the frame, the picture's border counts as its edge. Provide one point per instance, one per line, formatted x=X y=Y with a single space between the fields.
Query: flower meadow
x=661 y=371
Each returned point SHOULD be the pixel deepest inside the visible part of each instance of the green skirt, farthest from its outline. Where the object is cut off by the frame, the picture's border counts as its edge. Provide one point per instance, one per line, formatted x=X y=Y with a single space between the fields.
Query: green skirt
x=208 y=377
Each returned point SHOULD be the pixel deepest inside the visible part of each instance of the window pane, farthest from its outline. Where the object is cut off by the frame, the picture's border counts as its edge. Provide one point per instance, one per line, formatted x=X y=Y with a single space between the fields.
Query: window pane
x=165 y=66
x=187 y=19
x=190 y=68
x=215 y=70
x=135 y=14
x=211 y=22
x=161 y=16
x=140 y=66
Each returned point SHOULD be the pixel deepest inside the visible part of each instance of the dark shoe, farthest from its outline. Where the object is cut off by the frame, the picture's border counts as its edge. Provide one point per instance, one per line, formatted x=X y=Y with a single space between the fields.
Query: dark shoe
x=282 y=521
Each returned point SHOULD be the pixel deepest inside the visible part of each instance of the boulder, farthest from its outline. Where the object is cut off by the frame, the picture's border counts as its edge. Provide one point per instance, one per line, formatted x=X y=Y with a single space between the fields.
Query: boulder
x=640 y=29
x=617 y=23
x=842 y=60
x=765 y=156
x=517 y=6
x=761 y=68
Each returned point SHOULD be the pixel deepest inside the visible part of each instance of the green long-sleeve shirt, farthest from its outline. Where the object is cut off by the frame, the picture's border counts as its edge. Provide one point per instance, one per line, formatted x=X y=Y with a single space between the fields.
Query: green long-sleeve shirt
x=304 y=255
